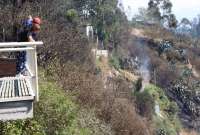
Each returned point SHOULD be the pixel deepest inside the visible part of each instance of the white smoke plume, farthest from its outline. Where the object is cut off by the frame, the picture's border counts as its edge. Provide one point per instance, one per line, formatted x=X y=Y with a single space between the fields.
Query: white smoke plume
x=145 y=73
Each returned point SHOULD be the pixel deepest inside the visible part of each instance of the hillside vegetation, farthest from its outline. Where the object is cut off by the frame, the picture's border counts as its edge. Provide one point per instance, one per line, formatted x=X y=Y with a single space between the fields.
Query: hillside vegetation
x=148 y=84
x=56 y=114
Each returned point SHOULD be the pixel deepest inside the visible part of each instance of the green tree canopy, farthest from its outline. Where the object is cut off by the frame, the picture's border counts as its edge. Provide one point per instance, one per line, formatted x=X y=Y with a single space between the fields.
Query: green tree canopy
x=161 y=10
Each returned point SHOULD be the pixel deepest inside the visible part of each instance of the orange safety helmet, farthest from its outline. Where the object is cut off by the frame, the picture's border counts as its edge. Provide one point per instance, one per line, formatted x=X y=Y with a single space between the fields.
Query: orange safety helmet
x=37 y=20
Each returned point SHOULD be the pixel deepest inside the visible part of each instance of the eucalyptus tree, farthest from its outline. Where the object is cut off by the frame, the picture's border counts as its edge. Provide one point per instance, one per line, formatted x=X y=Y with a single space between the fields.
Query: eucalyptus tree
x=161 y=10
x=104 y=15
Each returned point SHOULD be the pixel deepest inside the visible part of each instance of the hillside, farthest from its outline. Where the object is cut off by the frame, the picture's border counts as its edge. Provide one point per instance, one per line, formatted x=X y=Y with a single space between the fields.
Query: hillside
x=101 y=74
x=56 y=113
x=171 y=64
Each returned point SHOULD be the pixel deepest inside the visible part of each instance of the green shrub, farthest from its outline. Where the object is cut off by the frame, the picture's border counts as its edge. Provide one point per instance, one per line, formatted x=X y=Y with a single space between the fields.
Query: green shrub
x=158 y=95
x=114 y=61
x=172 y=110
x=138 y=85
x=145 y=104
x=54 y=114
x=21 y=127
x=164 y=125
x=168 y=123
x=55 y=111
x=72 y=14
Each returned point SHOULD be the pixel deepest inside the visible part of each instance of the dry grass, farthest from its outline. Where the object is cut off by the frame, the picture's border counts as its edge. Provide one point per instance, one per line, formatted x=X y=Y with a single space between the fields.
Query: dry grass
x=129 y=76
x=138 y=32
x=157 y=33
x=184 y=132
x=125 y=121
x=104 y=65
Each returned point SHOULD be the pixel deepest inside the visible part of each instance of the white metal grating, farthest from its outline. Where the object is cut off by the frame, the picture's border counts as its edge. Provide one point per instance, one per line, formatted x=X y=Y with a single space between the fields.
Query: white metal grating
x=14 y=87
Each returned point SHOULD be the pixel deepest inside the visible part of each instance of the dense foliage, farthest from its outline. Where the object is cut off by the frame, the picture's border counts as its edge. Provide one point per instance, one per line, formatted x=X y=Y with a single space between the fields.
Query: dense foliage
x=56 y=114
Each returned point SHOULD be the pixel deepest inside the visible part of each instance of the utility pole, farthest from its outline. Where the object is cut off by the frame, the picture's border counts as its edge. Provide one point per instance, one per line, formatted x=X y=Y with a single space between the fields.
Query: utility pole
x=15 y=2
x=155 y=78
x=16 y=5
x=4 y=35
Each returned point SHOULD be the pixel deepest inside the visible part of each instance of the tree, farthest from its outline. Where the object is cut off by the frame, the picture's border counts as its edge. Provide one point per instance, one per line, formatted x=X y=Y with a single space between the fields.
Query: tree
x=166 y=7
x=172 y=22
x=198 y=26
x=185 y=21
x=161 y=10
x=154 y=11
x=104 y=15
x=145 y=104
x=163 y=6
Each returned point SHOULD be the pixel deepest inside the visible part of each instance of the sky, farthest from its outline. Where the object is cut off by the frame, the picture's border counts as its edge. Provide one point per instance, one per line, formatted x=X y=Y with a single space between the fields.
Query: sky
x=181 y=8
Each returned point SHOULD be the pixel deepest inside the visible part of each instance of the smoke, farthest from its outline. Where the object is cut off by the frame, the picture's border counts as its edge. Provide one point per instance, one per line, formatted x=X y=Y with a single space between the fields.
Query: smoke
x=144 y=62
x=145 y=73
x=140 y=50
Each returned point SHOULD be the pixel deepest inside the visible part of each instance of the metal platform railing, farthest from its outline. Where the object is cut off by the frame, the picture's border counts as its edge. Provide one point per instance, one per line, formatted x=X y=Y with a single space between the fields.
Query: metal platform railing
x=19 y=87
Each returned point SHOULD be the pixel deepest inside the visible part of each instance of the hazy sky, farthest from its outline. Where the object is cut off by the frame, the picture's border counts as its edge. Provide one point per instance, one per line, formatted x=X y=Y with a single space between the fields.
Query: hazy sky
x=181 y=8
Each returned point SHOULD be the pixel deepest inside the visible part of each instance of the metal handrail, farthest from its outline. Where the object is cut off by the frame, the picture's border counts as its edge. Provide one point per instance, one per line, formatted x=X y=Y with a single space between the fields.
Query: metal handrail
x=20 y=44
x=31 y=54
x=16 y=49
x=15 y=78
